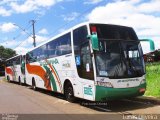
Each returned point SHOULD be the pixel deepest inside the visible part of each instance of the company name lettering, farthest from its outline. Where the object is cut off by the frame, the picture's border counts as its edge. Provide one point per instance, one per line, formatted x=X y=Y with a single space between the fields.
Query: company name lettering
x=55 y=61
x=128 y=80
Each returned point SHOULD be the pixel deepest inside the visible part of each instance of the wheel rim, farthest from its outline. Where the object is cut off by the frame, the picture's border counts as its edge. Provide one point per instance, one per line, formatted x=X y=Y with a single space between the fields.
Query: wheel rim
x=34 y=85
x=8 y=78
x=19 y=81
x=69 y=93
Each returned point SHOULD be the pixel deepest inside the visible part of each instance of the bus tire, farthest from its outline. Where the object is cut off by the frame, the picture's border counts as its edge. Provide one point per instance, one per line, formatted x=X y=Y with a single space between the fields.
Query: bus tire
x=19 y=80
x=24 y=81
x=8 y=79
x=68 y=92
x=34 y=84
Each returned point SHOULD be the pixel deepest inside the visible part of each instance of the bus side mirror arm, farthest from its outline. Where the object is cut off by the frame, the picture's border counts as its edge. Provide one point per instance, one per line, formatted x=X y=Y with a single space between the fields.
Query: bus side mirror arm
x=94 y=41
x=151 y=42
x=88 y=37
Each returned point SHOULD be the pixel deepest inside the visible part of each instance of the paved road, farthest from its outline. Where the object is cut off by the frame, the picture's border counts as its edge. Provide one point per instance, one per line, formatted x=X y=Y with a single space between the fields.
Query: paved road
x=18 y=99
x=1 y=77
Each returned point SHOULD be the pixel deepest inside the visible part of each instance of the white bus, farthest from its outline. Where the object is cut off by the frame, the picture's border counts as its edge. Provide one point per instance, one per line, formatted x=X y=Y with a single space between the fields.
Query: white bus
x=91 y=61
x=14 y=70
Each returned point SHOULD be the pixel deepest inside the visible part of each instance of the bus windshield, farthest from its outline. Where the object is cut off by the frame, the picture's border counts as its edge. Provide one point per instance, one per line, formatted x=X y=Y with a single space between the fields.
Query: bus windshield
x=120 y=59
x=120 y=54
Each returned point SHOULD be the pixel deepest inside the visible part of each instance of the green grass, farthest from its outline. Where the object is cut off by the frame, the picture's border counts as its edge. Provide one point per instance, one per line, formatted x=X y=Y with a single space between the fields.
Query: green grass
x=153 y=79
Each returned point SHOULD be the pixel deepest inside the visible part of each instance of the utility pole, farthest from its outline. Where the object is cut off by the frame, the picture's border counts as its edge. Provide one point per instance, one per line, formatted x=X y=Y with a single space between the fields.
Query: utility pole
x=34 y=37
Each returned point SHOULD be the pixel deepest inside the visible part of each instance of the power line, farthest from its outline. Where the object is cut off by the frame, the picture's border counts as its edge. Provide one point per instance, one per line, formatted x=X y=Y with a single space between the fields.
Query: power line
x=33 y=21
x=30 y=35
x=23 y=41
x=24 y=30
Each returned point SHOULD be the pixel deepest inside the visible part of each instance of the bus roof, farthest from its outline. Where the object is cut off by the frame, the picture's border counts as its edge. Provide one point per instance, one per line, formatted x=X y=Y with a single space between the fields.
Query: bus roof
x=60 y=34
x=69 y=30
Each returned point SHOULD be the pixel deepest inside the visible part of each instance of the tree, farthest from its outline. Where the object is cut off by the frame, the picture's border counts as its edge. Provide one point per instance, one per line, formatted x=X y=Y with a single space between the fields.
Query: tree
x=6 y=53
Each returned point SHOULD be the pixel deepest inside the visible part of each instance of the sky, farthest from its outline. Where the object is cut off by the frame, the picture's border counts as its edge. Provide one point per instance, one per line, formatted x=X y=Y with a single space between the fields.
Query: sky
x=55 y=16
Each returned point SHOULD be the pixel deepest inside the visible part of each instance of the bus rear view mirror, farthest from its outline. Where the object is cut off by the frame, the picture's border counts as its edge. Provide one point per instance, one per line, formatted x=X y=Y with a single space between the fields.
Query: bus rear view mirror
x=151 y=42
x=94 y=41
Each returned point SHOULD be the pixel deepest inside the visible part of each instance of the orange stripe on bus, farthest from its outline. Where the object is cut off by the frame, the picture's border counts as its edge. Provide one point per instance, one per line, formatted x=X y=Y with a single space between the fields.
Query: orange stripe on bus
x=38 y=70
x=56 y=77
x=53 y=71
x=9 y=71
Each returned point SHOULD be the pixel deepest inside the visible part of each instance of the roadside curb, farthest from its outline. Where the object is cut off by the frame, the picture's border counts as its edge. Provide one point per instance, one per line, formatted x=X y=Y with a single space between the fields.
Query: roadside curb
x=149 y=99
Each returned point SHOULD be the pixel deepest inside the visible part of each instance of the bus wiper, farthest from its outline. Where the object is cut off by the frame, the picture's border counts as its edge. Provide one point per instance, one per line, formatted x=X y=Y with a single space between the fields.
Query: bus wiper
x=132 y=66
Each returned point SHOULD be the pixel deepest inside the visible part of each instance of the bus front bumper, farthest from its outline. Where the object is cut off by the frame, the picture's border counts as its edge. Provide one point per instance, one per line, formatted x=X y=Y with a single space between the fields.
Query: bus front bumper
x=104 y=93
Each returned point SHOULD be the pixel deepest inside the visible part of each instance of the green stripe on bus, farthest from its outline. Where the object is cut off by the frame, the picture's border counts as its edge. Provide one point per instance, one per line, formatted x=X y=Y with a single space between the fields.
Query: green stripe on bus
x=51 y=78
x=104 y=93
x=56 y=71
x=57 y=76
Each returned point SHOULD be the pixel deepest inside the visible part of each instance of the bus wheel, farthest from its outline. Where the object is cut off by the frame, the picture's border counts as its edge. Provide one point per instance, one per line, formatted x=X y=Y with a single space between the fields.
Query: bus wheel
x=34 y=84
x=20 y=81
x=24 y=81
x=68 y=91
x=8 y=79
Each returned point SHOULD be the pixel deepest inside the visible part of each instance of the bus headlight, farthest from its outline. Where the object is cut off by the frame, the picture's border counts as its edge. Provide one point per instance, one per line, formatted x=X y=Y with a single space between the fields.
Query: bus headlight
x=143 y=81
x=105 y=84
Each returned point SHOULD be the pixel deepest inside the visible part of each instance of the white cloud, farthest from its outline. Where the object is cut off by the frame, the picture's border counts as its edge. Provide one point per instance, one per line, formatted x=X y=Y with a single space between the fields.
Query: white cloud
x=21 y=50
x=7 y=27
x=4 y=12
x=130 y=13
x=70 y=17
x=8 y=7
x=39 y=39
x=130 y=1
x=10 y=43
x=18 y=46
x=43 y=31
x=150 y=7
x=31 y=5
x=29 y=41
x=146 y=46
x=2 y=2
x=92 y=1
x=108 y=12
x=27 y=44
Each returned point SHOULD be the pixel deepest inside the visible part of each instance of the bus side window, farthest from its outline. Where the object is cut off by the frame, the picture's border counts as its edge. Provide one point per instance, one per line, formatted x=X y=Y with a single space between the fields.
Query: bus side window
x=82 y=53
x=27 y=58
x=86 y=62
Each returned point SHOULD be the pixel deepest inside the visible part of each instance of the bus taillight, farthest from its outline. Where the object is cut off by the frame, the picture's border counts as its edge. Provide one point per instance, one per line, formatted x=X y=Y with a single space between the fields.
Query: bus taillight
x=142 y=90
